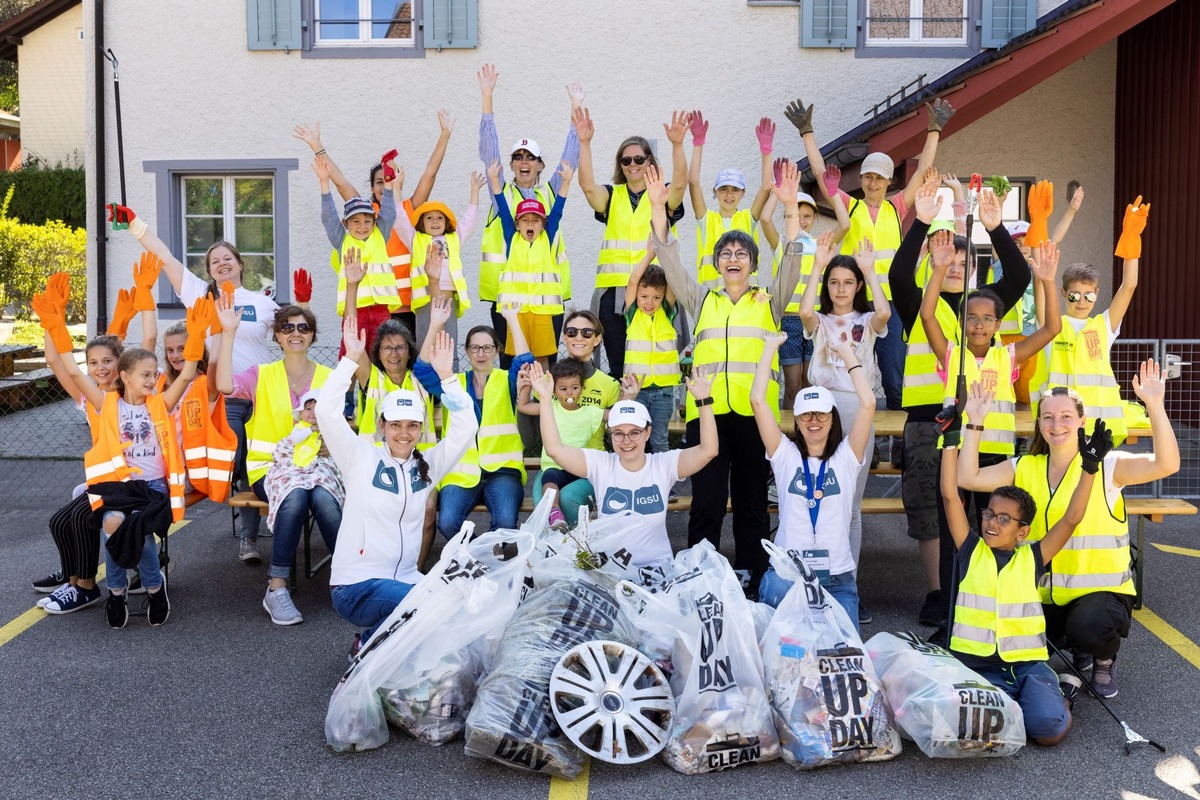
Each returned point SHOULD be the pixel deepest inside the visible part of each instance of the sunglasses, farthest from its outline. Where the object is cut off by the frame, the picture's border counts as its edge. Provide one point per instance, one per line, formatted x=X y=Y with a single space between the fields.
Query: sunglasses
x=524 y=157
x=292 y=327
x=988 y=515
x=1073 y=297
x=586 y=333
x=639 y=160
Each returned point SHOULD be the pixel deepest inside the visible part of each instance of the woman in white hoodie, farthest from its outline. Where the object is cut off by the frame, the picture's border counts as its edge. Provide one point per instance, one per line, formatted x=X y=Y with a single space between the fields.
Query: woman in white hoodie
x=387 y=482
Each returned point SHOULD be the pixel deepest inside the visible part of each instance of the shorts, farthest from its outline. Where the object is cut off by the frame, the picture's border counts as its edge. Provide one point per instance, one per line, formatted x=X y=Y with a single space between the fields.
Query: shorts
x=919 y=482
x=539 y=334
x=798 y=349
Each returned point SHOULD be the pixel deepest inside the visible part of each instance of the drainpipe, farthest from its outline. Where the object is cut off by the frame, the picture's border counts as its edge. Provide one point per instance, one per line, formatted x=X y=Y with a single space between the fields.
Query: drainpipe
x=100 y=227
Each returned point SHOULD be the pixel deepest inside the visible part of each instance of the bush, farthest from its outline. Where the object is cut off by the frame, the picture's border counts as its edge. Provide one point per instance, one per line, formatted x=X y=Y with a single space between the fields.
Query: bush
x=29 y=254
x=44 y=193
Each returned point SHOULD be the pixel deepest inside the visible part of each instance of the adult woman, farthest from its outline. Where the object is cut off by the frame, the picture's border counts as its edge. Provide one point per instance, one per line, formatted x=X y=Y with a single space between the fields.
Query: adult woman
x=626 y=220
x=383 y=544
x=527 y=165
x=276 y=390
x=1090 y=595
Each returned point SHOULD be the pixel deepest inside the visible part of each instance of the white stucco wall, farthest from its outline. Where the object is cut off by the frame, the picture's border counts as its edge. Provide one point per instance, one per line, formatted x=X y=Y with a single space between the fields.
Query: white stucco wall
x=50 y=80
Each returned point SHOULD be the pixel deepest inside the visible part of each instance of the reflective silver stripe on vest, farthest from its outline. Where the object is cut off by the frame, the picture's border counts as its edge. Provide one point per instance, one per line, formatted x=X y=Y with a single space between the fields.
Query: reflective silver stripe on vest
x=647 y=346
x=919 y=349
x=615 y=244
x=983 y=602
x=1023 y=610
x=730 y=332
x=884 y=255
x=494 y=459
x=612 y=268
x=493 y=258
x=195 y=452
x=502 y=429
x=923 y=379
x=1092 y=580
x=736 y=368
x=1009 y=644
x=530 y=299
x=973 y=633
x=1103 y=381
x=1084 y=542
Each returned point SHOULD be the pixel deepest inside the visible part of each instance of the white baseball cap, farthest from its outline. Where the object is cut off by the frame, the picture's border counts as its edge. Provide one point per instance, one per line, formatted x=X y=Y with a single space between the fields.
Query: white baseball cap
x=402 y=404
x=805 y=197
x=879 y=163
x=527 y=144
x=628 y=412
x=311 y=394
x=814 y=398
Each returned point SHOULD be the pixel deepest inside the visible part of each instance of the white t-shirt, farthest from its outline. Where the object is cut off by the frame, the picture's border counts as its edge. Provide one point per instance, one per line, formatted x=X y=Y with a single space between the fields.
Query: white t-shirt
x=143 y=453
x=827 y=368
x=644 y=492
x=833 y=522
x=252 y=345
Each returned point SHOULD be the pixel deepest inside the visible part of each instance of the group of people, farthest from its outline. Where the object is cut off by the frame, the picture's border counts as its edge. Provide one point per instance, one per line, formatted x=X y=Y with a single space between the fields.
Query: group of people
x=397 y=443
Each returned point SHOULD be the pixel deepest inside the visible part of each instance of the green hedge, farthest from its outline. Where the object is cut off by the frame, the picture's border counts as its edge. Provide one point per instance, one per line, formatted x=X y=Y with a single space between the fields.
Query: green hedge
x=43 y=194
x=29 y=254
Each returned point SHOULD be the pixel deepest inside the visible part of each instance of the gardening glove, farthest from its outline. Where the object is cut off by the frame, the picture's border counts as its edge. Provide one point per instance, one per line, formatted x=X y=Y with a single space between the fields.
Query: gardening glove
x=949 y=425
x=302 y=285
x=940 y=112
x=1040 y=204
x=388 y=172
x=800 y=116
x=122 y=314
x=765 y=132
x=1130 y=243
x=832 y=179
x=699 y=128
x=53 y=321
x=197 y=322
x=1093 y=449
x=145 y=275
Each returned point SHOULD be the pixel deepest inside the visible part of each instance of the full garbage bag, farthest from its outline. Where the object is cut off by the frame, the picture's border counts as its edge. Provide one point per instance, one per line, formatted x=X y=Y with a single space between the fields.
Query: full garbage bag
x=828 y=703
x=698 y=627
x=950 y=711
x=420 y=668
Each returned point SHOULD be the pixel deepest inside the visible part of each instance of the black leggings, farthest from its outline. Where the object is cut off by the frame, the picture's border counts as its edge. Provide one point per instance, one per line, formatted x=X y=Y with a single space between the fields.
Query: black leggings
x=614 y=331
x=77 y=540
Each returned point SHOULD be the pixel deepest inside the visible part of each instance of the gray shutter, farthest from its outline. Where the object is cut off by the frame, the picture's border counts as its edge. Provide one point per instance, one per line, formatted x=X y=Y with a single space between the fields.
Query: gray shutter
x=450 y=23
x=1005 y=19
x=273 y=25
x=829 y=23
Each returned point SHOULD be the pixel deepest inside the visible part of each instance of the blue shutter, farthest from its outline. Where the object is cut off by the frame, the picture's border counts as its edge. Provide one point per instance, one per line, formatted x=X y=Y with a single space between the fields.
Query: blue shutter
x=450 y=23
x=1005 y=19
x=273 y=25
x=829 y=23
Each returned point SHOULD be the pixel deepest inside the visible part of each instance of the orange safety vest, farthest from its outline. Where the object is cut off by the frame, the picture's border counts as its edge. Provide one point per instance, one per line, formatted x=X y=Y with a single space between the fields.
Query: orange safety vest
x=209 y=444
x=106 y=461
x=400 y=259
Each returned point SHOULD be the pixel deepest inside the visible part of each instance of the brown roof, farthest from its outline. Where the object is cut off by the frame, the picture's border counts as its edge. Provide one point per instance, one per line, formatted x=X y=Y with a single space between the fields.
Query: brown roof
x=28 y=21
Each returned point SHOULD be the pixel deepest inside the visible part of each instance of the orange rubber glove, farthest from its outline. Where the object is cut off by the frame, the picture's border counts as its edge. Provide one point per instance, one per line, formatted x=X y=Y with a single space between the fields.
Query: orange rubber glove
x=1040 y=204
x=58 y=290
x=197 y=322
x=1130 y=243
x=53 y=321
x=145 y=275
x=122 y=314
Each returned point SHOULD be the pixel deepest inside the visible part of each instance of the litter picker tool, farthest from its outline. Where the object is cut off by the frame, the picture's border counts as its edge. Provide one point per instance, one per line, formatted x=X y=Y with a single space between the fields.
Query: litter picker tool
x=118 y=217
x=970 y=281
x=1132 y=737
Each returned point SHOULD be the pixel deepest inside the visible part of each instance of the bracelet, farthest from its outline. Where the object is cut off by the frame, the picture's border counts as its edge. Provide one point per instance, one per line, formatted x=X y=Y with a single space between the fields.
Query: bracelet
x=792 y=216
x=971 y=426
x=856 y=366
x=320 y=152
x=708 y=401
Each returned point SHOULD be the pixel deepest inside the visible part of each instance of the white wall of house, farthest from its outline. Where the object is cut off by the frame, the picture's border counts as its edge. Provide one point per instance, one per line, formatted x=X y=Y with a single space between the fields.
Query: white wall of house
x=50 y=80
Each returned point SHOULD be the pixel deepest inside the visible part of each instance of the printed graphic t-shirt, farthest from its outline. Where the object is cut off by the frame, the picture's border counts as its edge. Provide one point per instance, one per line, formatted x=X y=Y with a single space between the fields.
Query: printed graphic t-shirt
x=143 y=452
x=643 y=492
x=837 y=502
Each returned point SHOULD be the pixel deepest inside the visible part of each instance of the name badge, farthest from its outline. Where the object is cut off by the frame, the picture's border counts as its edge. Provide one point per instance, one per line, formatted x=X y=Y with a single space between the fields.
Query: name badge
x=817 y=561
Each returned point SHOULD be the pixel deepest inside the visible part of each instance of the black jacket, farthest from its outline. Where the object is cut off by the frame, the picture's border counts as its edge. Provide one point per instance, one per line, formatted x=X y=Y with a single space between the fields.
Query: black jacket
x=146 y=511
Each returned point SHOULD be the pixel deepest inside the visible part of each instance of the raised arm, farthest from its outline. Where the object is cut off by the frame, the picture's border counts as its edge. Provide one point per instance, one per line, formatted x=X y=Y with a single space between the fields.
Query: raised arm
x=635 y=274
x=571 y=459
x=940 y=113
x=440 y=311
x=683 y=282
x=311 y=136
x=1137 y=468
x=1064 y=224
x=764 y=417
x=151 y=243
x=808 y=301
x=1092 y=450
x=699 y=128
x=941 y=255
x=833 y=177
x=693 y=458
x=355 y=271
x=860 y=428
x=766 y=220
x=956 y=515
x=230 y=318
x=50 y=307
x=198 y=319
x=1044 y=270
x=1129 y=247
x=425 y=183
x=679 y=168
x=902 y=274
x=336 y=432
x=971 y=476
x=765 y=133
x=597 y=195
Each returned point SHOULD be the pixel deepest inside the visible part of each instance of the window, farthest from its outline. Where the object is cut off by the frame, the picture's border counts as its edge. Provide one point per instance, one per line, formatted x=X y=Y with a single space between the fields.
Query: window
x=363 y=23
x=925 y=22
x=236 y=208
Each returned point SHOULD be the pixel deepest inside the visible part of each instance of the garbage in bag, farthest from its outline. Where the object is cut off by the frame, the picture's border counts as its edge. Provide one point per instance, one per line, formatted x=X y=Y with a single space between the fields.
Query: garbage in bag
x=828 y=703
x=511 y=721
x=698 y=628
x=950 y=711
x=594 y=544
x=419 y=669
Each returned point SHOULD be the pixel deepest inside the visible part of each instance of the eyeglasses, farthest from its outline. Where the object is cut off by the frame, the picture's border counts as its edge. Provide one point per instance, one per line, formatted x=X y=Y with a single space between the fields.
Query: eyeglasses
x=988 y=515
x=974 y=320
x=292 y=327
x=586 y=333
x=524 y=157
x=621 y=436
x=1073 y=297
x=639 y=160
x=734 y=255
x=388 y=349
x=481 y=349
x=819 y=416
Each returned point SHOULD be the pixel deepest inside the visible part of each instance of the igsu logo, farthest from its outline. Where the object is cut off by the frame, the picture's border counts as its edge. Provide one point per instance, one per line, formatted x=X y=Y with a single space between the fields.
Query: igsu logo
x=646 y=500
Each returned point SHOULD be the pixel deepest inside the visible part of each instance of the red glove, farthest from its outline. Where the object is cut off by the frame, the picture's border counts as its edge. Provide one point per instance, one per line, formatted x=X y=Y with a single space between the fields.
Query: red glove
x=1040 y=204
x=302 y=285
x=388 y=172
x=122 y=314
x=1130 y=243
x=120 y=216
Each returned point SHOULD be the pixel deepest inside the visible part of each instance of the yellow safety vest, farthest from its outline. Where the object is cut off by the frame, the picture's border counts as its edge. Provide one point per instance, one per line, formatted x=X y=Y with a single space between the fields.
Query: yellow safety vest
x=885 y=234
x=272 y=417
x=494 y=254
x=710 y=229
x=999 y=611
x=105 y=461
x=650 y=349
x=922 y=384
x=729 y=342
x=806 y=268
x=995 y=374
x=304 y=453
x=379 y=385
x=497 y=443
x=1096 y=558
x=1080 y=361
x=531 y=278
x=1010 y=324
x=378 y=287
x=625 y=236
x=453 y=261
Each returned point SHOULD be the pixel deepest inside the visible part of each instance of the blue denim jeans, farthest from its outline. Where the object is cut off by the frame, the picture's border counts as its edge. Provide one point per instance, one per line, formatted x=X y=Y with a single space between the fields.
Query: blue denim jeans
x=502 y=492
x=660 y=402
x=570 y=498
x=289 y=524
x=237 y=414
x=889 y=354
x=1035 y=688
x=842 y=588
x=148 y=566
x=367 y=603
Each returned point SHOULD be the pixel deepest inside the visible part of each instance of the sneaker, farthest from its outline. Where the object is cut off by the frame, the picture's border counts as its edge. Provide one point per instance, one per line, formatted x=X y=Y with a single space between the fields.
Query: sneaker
x=278 y=603
x=1104 y=677
x=116 y=609
x=1082 y=661
x=135 y=583
x=248 y=551
x=71 y=598
x=940 y=637
x=558 y=522
x=159 y=606
x=864 y=616
x=50 y=582
x=1070 y=686
x=354 y=648
x=933 y=611
x=897 y=452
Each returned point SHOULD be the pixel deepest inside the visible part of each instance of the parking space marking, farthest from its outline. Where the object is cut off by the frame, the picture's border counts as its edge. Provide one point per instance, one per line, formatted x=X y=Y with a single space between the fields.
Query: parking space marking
x=1169 y=635
x=571 y=790
x=1179 y=551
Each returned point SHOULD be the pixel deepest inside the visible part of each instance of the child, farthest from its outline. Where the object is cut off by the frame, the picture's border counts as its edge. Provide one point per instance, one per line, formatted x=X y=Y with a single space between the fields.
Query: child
x=1009 y=650
x=300 y=460
x=728 y=191
x=817 y=465
x=650 y=344
x=1078 y=357
x=577 y=425
x=531 y=277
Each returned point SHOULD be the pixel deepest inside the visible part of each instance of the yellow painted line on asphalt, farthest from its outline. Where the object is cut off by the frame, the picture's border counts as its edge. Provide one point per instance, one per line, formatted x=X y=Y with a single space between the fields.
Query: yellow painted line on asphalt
x=33 y=616
x=1179 y=551
x=571 y=790
x=1170 y=635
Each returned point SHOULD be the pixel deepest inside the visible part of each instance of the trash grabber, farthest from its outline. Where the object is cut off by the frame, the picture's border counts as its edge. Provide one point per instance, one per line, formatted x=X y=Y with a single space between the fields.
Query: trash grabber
x=1132 y=737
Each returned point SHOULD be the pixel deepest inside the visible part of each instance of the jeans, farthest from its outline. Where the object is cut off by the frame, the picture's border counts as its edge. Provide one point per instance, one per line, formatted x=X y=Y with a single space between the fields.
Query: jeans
x=614 y=330
x=843 y=588
x=368 y=603
x=889 y=355
x=289 y=524
x=237 y=413
x=570 y=497
x=660 y=402
x=502 y=492
x=148 y=566
x=1035 y=688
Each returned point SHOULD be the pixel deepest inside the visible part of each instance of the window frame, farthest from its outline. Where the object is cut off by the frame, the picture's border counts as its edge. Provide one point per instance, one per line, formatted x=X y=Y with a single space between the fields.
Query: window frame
x=920 y=48
x=311 y=48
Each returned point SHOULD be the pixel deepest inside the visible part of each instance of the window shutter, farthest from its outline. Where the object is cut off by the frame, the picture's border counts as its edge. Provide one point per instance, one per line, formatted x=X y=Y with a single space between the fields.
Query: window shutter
x=829 y=23
x=1005 y=19
x=450 y=23
x=273 y=25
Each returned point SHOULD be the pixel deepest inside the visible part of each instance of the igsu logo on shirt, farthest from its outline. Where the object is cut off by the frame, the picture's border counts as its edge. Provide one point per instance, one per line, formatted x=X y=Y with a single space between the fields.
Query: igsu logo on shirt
x=646 y=500
x=249 y=313
x=831 y=487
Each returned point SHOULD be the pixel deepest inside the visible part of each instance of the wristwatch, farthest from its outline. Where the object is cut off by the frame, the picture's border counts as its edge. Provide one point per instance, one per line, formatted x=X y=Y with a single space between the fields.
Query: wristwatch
x=708 y=401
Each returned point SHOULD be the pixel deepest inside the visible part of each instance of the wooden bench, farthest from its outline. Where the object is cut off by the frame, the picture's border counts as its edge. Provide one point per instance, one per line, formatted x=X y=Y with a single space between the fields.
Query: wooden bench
x=10 y=354
x=249 y=500
x=28 y=389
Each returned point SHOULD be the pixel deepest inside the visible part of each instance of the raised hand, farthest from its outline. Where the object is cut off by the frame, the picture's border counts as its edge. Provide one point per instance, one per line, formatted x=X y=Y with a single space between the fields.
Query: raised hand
x=990 y=212
x=197 y=321
x=979 y=403
x=655 y=187
x=487 y=76
x=952 y=183
x=1077 y=199
x=433 y=262
x=397 y=182
x=941 y=250
x=1148 y=384
x=388 y=161
x=928 y=204
x=777 y=169
x=1040 y=204
x=1045 y=261
x=789 y=184
x=228 y=316
x=826 y=250
x=565 y=172
x=940 y=112
x=320 y=166
x=800 y=116
x=443 y=355
x=353 y=339
x=541 y=381
x=949 y=424
x=772 y=340
x=353 y=267
x=678 y=127
x=1093 y=449
x=764 y=131
x=311 y=136
x=523 y=378
x=445 y=121
x=1134 y=222
x=302 y=284
x=698 y=125
x=493 y=176
x=477 y=181
x=699 y=383
x=832 y=179
x=440 y=309
x=581 y=118
x=145 y=275
x=510 y=311
x=631 y=386
x=864 y=255
x=575 y=92
x=124 y=312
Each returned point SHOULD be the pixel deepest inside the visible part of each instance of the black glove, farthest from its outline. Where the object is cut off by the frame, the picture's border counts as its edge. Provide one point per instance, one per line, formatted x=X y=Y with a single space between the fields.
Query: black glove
x=1093 y=449
x=949 y=425
x=800 y=116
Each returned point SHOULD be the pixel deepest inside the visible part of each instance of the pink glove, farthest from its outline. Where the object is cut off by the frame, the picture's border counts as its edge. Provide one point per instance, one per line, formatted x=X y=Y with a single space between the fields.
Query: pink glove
x=699 y=128
x=777 y=170
x=833 y=180
x=765 y=131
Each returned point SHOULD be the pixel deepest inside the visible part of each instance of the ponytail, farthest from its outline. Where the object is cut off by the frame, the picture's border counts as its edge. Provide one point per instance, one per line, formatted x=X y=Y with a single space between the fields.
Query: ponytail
x=422 y=465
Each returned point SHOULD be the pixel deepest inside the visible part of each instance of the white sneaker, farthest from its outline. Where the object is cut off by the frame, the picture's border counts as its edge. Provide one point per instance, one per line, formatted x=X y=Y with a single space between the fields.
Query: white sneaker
x=278 y=603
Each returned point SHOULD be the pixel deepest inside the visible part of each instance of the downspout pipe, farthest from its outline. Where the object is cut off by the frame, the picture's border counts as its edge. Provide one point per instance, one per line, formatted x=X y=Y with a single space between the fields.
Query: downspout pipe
x=101 y=220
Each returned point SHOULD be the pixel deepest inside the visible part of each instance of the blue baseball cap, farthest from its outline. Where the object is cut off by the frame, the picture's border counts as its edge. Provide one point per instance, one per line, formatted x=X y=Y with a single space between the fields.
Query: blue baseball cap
x=730 y=177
